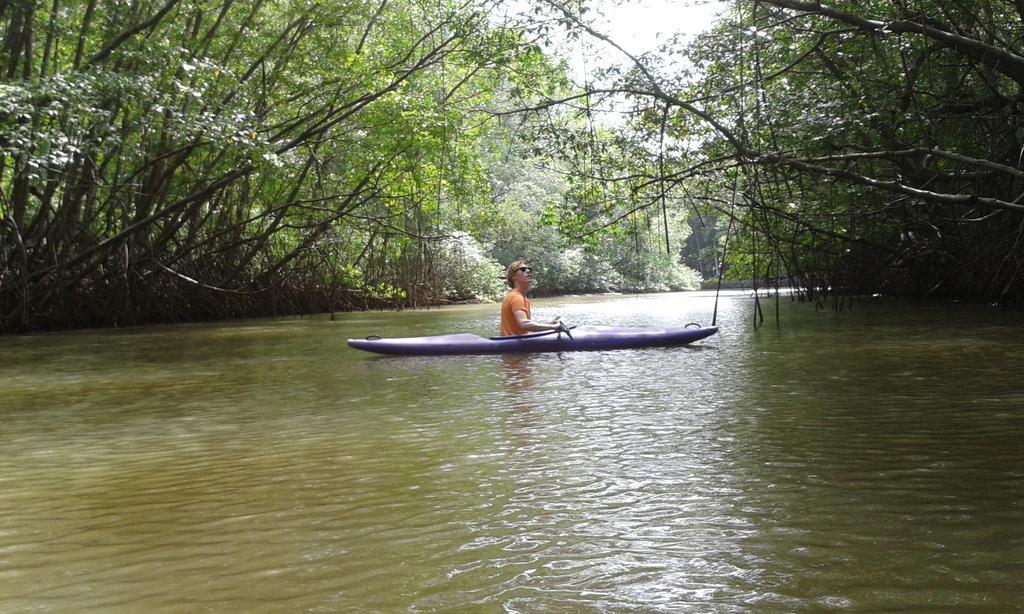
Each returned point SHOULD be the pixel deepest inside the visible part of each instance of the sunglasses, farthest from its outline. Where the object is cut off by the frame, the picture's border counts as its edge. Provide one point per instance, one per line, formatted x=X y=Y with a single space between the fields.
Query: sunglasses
x=524 y=269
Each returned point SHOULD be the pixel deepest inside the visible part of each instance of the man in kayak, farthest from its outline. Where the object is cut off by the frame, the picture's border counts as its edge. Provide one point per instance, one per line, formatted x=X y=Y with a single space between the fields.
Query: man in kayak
x=515 y=309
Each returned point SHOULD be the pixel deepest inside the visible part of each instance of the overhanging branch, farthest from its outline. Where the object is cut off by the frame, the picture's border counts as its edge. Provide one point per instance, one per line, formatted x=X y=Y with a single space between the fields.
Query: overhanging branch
x=1000 y=60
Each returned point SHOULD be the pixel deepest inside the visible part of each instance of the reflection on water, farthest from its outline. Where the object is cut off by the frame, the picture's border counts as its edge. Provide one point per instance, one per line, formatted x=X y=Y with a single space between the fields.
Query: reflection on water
x=867 y=460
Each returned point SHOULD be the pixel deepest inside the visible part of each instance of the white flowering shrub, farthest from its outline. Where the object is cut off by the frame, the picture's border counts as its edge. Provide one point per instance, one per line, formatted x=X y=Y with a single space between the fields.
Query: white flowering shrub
x=467 y=272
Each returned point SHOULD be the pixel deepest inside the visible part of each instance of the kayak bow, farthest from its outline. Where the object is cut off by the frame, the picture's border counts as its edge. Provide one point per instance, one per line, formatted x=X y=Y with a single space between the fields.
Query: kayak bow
x=583 y=338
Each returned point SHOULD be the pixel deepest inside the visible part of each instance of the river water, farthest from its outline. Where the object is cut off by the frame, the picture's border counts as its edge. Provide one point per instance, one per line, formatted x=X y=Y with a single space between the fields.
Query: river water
x=870 y=459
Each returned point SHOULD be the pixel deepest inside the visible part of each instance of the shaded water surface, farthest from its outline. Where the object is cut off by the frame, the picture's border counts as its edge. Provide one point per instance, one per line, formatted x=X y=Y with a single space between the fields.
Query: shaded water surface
x=871 y=459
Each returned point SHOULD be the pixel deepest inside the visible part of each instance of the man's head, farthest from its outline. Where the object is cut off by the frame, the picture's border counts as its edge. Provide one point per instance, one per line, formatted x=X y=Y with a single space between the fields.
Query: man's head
x=518 y=267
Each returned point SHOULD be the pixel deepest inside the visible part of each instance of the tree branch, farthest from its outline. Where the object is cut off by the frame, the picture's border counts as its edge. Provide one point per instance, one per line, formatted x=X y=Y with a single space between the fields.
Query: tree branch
x=103 y=54
x=960 y=200
x=1000 y=60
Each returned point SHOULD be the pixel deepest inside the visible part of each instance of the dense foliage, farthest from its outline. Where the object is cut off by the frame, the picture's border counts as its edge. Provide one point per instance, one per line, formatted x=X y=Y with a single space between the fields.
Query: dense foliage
x=180 y=159
x=903 y=156
x=166 y=160
x=854 y=146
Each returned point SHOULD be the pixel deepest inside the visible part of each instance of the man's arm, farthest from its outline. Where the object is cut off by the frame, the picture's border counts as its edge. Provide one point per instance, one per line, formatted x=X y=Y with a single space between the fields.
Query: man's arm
x=528 y=324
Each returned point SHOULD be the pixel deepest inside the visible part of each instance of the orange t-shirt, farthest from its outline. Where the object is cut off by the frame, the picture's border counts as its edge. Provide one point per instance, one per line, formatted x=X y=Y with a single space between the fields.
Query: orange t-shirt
x=514 y=301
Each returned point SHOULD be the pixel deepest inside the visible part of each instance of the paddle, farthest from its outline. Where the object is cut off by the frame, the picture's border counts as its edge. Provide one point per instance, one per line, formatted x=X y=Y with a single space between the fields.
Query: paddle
x=562 y=328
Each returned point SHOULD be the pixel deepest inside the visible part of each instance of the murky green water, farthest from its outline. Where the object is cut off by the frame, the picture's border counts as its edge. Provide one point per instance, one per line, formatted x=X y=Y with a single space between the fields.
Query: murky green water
x=868 y=460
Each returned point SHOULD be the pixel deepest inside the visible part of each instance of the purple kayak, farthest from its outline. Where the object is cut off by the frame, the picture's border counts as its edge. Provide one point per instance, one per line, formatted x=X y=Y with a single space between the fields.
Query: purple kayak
x=580 y=338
